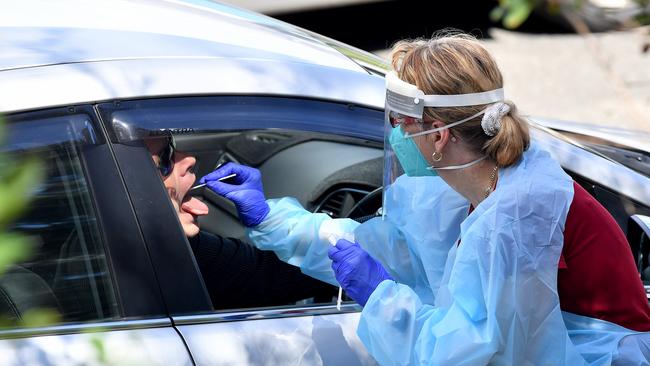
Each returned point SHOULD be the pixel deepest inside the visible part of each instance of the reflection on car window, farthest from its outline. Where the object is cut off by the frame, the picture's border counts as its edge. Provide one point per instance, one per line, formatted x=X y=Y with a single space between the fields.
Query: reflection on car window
x=204 y=114
x=67 y=270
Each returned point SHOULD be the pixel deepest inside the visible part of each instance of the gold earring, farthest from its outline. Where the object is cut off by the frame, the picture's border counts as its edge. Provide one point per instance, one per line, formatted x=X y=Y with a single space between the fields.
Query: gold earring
x=437 y=157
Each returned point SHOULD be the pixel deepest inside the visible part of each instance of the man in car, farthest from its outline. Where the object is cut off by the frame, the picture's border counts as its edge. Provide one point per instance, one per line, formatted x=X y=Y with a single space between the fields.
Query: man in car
x=236 y=274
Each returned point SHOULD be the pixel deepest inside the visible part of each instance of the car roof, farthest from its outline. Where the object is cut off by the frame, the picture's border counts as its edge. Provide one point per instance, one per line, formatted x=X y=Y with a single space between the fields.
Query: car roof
x=75 y=51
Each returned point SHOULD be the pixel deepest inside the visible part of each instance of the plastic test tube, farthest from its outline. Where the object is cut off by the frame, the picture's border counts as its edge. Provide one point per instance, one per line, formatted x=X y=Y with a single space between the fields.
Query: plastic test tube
x=332 y=239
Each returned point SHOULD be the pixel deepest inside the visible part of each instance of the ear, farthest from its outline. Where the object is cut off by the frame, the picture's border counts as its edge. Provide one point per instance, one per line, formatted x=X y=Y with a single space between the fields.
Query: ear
x=441 y=138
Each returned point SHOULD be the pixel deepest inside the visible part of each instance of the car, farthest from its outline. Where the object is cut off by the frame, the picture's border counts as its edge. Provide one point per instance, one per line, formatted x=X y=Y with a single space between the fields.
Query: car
x=80 y=80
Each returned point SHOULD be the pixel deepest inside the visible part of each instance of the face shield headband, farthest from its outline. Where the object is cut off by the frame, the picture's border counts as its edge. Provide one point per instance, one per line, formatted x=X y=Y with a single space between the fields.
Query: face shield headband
x=407 y=99
x=405 y=104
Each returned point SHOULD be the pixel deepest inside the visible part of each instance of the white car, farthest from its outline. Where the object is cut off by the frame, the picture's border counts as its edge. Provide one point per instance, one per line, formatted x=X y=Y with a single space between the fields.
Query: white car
x=80 y=79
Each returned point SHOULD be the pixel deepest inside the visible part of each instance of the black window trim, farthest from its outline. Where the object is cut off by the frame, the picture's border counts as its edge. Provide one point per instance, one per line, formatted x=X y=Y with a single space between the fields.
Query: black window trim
x=174 y=265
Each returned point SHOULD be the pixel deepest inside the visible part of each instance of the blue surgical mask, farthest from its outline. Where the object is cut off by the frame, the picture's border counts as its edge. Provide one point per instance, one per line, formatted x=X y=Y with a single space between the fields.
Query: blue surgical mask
x=411 y=159
x=408 y=154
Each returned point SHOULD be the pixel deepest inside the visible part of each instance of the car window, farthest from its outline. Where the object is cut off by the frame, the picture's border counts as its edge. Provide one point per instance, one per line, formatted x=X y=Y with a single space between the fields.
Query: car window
x=205 y=114
x=66 y=270
x=292 y=142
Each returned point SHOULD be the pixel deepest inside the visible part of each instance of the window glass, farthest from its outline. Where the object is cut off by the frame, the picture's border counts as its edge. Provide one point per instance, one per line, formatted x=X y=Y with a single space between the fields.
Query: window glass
x=66 y=270
x=202 y=114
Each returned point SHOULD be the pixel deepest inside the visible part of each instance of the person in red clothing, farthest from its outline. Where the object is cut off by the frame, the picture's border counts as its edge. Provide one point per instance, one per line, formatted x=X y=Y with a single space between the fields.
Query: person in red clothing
x=597 y=276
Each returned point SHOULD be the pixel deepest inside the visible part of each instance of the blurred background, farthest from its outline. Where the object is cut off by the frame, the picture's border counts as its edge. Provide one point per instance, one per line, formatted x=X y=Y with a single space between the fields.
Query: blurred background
x=577 y=60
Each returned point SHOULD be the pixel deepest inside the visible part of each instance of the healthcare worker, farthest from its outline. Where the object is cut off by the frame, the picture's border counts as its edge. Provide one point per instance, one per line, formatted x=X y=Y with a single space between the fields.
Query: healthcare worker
x=464 y=266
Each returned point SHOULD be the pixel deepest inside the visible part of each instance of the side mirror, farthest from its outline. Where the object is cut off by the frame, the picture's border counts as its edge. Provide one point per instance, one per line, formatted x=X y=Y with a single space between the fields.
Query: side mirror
x=638 y=235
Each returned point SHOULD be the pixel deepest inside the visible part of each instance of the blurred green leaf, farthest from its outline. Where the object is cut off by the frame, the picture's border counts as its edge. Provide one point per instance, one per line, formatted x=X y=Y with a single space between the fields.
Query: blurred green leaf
x=14 y=248
x=100 y=348
x=643 y=17
x=40 y=317
x=18 y=179
x=513 y=13
x=516 y=17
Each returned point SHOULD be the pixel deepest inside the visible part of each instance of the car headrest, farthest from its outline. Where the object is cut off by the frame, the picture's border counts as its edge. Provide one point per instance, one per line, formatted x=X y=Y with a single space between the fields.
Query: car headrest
x=22 y=290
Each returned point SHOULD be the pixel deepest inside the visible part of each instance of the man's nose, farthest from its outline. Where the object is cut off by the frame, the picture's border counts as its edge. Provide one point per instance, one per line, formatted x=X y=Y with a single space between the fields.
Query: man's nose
x=185 y=163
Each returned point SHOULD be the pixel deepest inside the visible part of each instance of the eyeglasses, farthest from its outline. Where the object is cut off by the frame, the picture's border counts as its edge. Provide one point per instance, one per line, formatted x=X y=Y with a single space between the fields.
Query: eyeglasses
x=397 y=119
x=166 y=157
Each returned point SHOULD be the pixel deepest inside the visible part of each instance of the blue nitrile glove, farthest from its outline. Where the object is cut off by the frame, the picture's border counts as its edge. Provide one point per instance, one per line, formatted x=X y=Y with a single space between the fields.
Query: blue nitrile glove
x=246 y=192
x=356 y=271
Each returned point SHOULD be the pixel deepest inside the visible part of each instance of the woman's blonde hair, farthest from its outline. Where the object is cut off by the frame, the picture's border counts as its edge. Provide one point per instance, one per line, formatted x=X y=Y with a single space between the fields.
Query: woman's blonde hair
x=456 y=63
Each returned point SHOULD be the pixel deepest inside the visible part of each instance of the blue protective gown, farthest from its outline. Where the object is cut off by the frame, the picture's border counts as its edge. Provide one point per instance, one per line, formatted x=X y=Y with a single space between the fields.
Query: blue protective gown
x=490 y=300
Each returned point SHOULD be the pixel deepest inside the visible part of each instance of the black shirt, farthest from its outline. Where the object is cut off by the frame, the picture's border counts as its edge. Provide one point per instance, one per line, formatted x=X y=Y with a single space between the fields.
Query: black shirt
x=238 y=275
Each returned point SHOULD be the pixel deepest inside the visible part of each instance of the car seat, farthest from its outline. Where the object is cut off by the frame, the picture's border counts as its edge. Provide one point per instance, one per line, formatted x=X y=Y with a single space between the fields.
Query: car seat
x=21 y=290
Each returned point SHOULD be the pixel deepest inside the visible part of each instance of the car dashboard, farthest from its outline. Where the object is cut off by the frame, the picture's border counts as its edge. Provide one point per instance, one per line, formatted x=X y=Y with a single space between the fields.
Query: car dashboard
x=324 y=172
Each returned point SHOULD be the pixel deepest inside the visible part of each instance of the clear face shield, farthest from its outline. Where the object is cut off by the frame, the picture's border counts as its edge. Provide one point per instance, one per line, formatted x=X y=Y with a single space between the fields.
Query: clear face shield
x=408 y=154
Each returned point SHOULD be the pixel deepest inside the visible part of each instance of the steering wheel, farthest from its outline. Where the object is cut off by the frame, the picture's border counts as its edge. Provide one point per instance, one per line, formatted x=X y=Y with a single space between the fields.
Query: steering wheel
x=367 y=207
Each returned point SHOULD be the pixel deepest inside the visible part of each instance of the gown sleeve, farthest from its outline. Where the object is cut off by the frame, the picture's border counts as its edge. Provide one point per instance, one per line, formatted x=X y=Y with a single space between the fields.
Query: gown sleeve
x=300 y=237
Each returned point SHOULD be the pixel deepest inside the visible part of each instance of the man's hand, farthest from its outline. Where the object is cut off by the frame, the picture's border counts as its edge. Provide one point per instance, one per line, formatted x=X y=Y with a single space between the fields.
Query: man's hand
x=245 y=191
x=356 y=271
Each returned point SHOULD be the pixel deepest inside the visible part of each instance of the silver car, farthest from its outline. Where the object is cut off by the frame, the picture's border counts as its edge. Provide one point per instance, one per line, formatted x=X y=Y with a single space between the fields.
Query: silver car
x=80 y=79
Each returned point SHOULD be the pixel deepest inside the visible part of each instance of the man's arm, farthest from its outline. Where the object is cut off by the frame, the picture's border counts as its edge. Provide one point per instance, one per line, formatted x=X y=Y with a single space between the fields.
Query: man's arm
x=238 y=275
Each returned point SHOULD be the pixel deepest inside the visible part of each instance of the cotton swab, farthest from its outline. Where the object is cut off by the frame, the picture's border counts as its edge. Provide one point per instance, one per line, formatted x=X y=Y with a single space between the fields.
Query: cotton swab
x=332 y=239
x=220 y=180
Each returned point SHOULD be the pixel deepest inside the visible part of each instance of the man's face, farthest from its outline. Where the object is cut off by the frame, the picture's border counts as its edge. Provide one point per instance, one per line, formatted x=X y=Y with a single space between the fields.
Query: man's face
x=178 y=182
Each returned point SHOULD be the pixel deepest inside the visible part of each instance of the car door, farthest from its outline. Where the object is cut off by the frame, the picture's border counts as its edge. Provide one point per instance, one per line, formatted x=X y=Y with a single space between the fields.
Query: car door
x=87 y=270
x=327 y=155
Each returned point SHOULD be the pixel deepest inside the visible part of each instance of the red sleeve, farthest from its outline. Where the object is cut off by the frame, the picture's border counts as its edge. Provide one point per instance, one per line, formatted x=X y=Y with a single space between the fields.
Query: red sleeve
x=597 y=275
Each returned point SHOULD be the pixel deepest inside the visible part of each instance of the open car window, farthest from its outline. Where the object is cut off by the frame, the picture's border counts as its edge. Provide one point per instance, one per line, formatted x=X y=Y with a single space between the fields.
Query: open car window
x=307 y=149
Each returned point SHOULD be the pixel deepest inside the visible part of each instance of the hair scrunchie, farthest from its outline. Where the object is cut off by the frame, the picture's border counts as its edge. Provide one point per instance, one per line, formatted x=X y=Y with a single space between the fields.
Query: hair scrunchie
x=491 y=121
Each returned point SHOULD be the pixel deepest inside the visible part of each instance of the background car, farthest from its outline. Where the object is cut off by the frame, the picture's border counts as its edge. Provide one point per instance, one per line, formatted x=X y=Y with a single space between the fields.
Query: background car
x=78 y=78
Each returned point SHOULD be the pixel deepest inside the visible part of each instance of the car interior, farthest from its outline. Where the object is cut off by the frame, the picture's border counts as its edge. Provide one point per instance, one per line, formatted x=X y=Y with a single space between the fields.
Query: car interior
x=326 y=173
x=339 y=176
